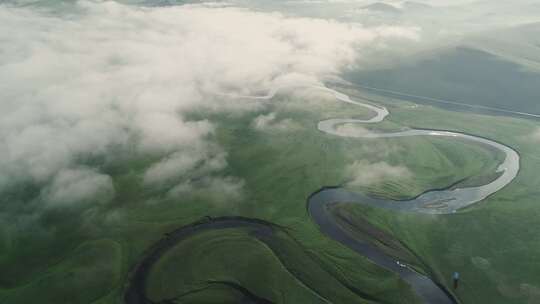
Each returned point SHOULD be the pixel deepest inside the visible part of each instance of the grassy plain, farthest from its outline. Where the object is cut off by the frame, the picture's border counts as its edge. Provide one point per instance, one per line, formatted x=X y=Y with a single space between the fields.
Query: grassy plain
x=89 y=253
x=493 y=244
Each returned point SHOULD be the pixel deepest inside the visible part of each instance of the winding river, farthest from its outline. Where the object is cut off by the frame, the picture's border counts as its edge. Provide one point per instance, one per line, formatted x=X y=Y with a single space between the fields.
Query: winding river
x=444 y=201
x=136 y=290
x=436 y=201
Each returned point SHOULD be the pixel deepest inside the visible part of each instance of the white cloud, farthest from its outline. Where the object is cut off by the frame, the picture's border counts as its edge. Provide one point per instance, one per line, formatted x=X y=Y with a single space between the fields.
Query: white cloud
x=197 y=161
x=75 y=186
x=163 y=132
x=534 y=136
x=269 y=122
x=170 y=168
x=227 y=189
x=96 y=75
x=363 y=173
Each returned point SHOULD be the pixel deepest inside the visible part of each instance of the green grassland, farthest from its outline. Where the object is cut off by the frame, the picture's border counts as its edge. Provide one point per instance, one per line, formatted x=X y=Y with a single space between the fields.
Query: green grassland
x=493 y=244
x=276 y=269
x=84 y=256
x=469 y=74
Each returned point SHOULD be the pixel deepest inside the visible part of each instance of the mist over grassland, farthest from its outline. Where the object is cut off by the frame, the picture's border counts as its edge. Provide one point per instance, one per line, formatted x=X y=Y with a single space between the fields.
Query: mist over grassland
x=101 y=118
x=87 y=84
x=117 y=122
x=88 y=78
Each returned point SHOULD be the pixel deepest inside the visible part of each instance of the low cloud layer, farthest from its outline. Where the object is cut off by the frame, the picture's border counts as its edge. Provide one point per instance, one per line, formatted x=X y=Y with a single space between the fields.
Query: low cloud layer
x=80 y=186
x=363 y=173
x=534 y=136
x=87 y=78
x=269 y=122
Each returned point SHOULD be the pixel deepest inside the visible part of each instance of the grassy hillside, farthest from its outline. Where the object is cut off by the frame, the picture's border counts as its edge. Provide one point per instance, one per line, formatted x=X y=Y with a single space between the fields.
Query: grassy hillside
x=461 y=74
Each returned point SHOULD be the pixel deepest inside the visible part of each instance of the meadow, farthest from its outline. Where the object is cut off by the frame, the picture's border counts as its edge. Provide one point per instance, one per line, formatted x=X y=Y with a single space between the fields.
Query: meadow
x=86 y=256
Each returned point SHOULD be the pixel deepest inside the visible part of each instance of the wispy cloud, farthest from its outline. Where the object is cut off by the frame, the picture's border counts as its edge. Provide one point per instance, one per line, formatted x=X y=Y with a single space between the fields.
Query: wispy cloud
x=269 y=122
x=363 y=173
x=86 y=78
x=80 y=185
x=534 y=136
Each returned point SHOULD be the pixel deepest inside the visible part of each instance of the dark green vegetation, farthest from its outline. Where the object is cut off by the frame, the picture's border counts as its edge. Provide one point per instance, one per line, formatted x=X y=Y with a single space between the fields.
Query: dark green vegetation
x=248 y=255
x=84 y=255
x=464 y=75
x=357 y=225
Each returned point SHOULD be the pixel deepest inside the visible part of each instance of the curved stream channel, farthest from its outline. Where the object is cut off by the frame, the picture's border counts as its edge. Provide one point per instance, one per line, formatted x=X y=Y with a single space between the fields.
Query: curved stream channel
x=444 y=201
